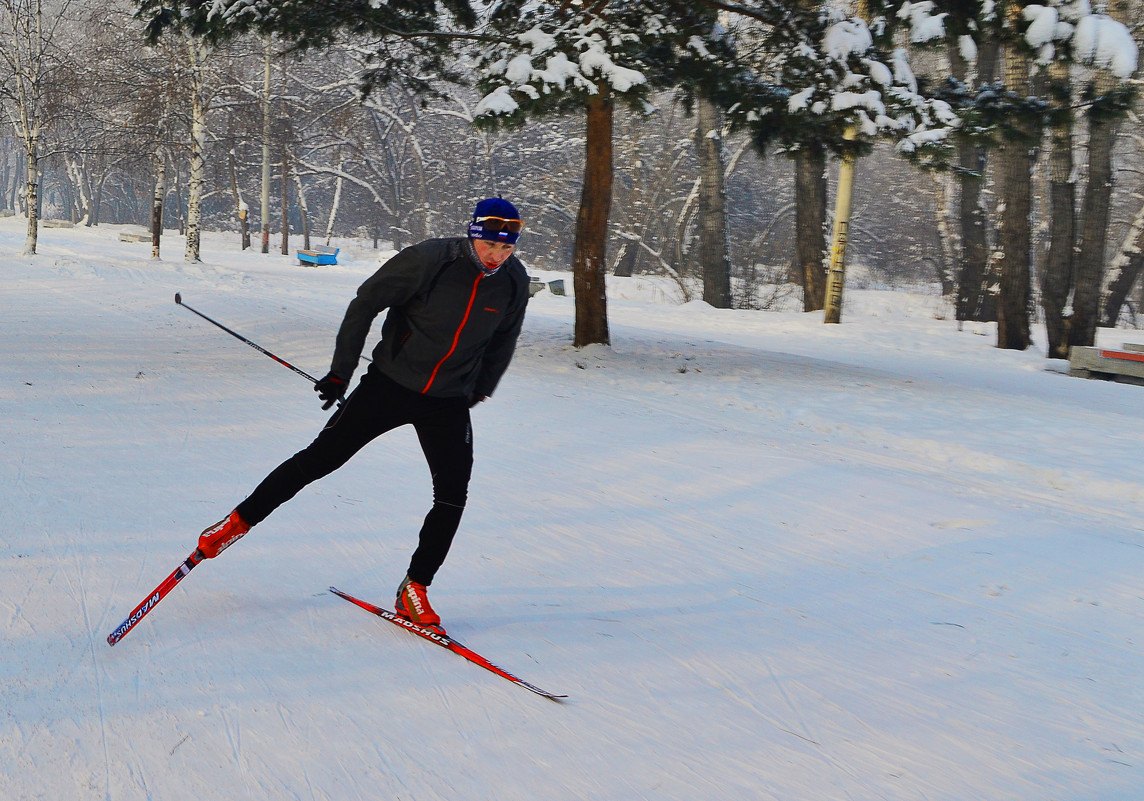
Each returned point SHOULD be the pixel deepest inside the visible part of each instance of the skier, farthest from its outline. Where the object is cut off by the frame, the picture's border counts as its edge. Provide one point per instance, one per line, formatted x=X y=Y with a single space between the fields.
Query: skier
x=456 y=307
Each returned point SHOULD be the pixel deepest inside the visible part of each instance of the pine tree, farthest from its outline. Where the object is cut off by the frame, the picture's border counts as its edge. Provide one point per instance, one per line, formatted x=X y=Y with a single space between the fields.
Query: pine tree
x=810 y=82
x=559 y=57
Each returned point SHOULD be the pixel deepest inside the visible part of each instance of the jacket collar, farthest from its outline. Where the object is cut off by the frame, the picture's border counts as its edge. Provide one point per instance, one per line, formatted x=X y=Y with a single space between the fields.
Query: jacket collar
x=472 y=251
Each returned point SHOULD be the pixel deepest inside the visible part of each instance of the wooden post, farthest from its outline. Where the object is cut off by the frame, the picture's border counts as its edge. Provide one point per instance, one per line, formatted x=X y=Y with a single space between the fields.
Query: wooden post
x=836 y=272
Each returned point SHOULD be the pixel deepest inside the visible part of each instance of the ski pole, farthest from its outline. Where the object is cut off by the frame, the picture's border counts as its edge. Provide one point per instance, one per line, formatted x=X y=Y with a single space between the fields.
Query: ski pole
x=158 y=594
x=241 y=338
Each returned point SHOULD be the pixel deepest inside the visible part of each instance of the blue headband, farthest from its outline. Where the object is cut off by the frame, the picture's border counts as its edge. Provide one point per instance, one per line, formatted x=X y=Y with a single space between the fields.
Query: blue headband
x=494 y=207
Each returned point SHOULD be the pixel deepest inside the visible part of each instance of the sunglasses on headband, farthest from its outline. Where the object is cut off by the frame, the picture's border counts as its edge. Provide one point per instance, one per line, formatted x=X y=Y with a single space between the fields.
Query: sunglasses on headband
x=494 y=224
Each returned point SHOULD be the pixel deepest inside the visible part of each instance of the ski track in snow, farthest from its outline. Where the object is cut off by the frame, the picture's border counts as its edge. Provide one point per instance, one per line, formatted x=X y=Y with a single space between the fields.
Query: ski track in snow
x=767 y=559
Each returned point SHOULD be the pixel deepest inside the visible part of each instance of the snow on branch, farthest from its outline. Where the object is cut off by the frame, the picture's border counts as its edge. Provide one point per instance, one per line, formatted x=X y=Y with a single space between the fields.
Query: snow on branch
x=547 y=63
x=924 y=25
x=1103 y=42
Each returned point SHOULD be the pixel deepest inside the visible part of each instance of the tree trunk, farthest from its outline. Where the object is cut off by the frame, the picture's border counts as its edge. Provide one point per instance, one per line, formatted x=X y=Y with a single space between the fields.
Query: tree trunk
x=334 y=207
x=303 y=210
x=946 y=236
x=810 y=225
x=1015 y=163
x=836 y=271
x=1124 y=271
x=713 y=256
x=83 y=204
x=97 y=200
x=242 y=212
x=157 y=204
x=198 y=150
x=626 y=258
x=179 y=218
x=265 y=208
x=589 y=252
x=1094 y=219
x=973 y=299
x=1126 y=267
x=1057 y=275
x=285 y=187
x=33 y=200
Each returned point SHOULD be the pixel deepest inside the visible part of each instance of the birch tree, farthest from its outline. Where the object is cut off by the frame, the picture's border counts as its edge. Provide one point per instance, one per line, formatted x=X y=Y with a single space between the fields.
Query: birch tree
x=1125 y=270
x=1105 y=43
x=197 y=52
x=33 y=53
x=1046 y=37
x=266 y=128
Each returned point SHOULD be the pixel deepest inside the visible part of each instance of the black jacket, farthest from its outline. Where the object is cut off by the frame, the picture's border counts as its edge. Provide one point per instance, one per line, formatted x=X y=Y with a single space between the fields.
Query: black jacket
x=451 y=329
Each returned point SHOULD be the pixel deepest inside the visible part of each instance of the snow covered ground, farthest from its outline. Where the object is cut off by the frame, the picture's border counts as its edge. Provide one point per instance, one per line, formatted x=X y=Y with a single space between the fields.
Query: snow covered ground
x=765 y=558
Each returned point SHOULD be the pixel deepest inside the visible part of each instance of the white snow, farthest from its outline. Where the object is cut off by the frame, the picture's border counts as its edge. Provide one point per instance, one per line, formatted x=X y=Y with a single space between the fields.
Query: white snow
x=879 y=72
x=967 y=48
x=903 y=72
x=766 y=558
x=558 y=70
x=519 y=69
x=1042 y=28
x=924 y=24
x=847 y=37
x=1104 y=42
x=799 y=100
x=1074 y=11
x=539 y=40
x=498 y=101
x=595 y=60
x=699 y=46
x=870 y=100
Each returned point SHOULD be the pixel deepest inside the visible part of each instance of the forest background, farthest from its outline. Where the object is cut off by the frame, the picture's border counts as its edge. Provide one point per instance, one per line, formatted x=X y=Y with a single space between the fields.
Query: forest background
x=233 y=124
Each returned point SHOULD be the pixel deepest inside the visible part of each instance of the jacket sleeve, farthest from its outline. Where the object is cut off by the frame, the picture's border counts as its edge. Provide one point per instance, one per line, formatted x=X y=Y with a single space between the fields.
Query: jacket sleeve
x=396 y=282
x=503 y=343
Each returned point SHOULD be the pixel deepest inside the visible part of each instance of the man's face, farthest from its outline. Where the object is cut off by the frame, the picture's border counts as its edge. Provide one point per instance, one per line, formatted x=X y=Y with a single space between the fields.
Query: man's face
x=491 y=253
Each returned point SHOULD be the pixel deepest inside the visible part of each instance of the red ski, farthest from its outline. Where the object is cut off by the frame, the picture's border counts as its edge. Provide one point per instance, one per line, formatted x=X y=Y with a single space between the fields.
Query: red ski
x=445 y=641
x=158 y=594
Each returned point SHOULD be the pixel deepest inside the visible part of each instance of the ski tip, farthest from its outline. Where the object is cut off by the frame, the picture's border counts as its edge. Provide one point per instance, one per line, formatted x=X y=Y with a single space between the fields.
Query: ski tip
x=178 y=298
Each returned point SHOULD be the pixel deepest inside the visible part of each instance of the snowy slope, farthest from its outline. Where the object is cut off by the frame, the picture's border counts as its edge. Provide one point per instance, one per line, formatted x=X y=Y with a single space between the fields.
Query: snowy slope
x=766 y=558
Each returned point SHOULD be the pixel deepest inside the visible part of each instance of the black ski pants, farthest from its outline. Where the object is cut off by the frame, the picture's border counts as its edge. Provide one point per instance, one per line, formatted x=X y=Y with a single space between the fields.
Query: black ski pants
x=376 y=406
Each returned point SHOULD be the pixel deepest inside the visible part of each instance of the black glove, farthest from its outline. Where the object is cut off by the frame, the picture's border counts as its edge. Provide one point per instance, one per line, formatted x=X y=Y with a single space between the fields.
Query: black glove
x=331 y=389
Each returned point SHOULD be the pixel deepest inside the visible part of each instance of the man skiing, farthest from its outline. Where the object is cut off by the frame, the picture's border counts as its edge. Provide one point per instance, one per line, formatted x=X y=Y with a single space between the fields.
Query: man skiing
x=456 y=307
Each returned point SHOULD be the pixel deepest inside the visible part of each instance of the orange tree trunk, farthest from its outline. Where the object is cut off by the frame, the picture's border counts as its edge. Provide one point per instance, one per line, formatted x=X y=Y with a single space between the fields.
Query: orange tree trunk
x=589 y=254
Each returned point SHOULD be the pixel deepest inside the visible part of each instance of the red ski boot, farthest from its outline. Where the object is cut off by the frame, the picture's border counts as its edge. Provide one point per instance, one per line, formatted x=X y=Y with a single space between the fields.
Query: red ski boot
x=413 y=604
x=222 y=535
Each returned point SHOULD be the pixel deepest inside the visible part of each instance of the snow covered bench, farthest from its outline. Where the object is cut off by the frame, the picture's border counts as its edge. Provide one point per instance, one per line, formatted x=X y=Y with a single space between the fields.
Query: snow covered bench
x=1125 y=365
x=320 y=255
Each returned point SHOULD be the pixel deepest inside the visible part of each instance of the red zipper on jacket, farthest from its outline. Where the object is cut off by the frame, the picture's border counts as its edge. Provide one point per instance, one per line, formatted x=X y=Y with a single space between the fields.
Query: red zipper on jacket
x=457 y=335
